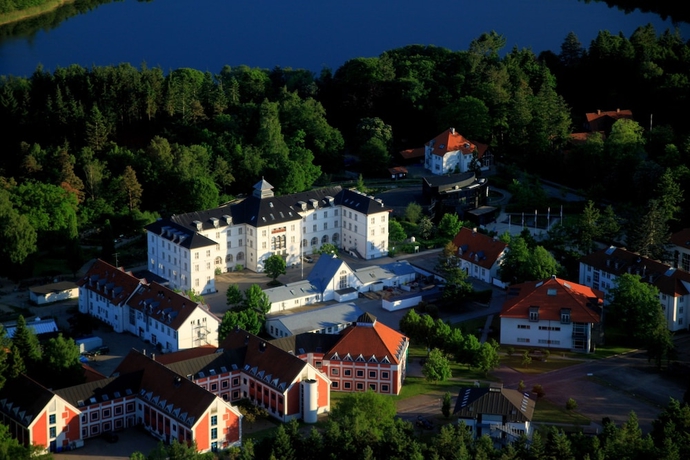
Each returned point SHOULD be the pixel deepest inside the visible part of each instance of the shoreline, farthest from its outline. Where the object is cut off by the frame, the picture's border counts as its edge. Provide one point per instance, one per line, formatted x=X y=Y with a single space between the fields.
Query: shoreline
x=17 y=16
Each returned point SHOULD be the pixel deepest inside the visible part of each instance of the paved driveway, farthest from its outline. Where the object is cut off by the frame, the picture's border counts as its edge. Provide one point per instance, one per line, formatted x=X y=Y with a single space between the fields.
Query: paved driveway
x=131 y=440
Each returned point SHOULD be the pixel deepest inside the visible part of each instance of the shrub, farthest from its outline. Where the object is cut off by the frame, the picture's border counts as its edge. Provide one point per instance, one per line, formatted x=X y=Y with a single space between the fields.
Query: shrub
x=239 y=267
x=510 y=351
x=571 y=404
x=538 y=390
x=521 y=386
x=526 y=360
x=218 y=271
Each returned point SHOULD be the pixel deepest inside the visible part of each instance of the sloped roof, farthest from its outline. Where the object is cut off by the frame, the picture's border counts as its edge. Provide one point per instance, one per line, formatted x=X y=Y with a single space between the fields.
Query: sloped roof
x=601 y=121
x=165 y=305
x=110 y=282
x=495 y=400
x=54 y=287
x=98 y=391
x=681 y=238
x=180 y=229
x=306 y=343
x=399 y=268
x=452 y=141
x=179 y=396
x=460 y=180
x=22 y=399
x=582 y=138
x=325 y=270
x=552 y=296
x=263 y=358
x=40 y=326
x=410 y=154
x=478 y=248
x=358 y=201
x=370 y=338
x=291 y=291
x=319 y=318
x=183 y=355
x=667 y=279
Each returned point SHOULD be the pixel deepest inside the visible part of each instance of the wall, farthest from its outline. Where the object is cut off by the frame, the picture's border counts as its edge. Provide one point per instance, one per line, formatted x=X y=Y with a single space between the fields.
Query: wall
x=400 y=304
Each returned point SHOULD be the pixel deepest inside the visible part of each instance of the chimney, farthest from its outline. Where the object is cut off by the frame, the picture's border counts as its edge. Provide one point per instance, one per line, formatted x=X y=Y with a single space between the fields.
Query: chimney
x=153 y=356
x=262 y=347
x=618 y=110
x=452 y=131
x=598 y=111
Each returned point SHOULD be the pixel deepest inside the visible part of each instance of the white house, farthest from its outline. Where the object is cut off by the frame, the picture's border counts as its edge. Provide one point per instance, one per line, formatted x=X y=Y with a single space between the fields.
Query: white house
x=680 y=248
x=480 y=255
x=151 y=311
x=600 y=269
x=292 y=295
x=188 y=249
x=502 y=414
x=552 y=314
x=450 y=151
x=54 y=292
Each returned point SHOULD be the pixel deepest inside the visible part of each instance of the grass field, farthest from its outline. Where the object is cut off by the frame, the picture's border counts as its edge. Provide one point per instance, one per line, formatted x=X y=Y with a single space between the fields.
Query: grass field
x=547 y=412
x=537 y=366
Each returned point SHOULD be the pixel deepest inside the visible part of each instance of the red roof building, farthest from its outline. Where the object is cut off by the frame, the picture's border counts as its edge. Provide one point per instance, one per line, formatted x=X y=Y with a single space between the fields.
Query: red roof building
x=451 y=151
x=553 y=313
x=480 y=255
x=603 y=121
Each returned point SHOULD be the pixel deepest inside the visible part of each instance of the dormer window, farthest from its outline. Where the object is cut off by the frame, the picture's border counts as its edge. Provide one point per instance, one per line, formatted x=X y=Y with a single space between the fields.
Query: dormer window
x=565 y=315
x=534 y=313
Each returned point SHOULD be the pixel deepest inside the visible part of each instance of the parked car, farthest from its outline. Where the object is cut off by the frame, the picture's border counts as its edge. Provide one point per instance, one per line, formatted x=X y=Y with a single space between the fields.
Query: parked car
x=424 y=423
x=308 y=259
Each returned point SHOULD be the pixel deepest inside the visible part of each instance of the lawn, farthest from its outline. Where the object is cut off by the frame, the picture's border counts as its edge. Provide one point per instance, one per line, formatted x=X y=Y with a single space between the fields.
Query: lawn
x=606 y=351
x=538 y=366
x=547 y=412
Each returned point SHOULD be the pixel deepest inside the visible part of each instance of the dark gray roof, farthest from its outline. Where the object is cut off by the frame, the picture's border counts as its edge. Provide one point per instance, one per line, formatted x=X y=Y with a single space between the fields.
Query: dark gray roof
x=495 y=400
x=325 y=270
x=220 y=362
x=185 y=236
x=307 y=343
x=101 y=390
x=360 y=202
x=23 y=399
x=461 y=179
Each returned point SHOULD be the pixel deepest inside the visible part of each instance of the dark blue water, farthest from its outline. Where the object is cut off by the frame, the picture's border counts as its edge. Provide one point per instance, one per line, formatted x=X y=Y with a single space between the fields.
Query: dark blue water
x=311 y=34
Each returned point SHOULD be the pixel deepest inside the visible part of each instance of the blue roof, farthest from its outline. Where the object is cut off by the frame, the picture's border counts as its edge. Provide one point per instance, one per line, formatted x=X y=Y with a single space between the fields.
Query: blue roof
x=324 y=271
x=400 y=268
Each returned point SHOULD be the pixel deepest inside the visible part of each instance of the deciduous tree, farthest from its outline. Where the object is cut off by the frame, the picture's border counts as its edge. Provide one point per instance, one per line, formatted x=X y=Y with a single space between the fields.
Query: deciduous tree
x=274 y=266
x=437 y=367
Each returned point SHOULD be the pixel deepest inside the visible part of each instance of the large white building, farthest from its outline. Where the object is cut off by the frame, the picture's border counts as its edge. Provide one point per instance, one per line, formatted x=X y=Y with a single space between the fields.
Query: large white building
x=600 y=269
x=151 y=311
x=189 y=249
x=451 y=152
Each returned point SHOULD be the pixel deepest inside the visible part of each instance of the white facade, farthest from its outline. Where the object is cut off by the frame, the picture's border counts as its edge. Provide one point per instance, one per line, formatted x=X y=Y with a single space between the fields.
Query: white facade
x=447 y=163
x=545 y=334
x=188 y=252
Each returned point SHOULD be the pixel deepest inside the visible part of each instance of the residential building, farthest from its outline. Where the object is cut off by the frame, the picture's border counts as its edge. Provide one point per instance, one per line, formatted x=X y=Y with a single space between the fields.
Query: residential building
x=368 y=355
x=141 y=392
x=502 y=414
x=188 y=249
x=600 y=270
x=451 y=152
x=603 y=121
x=480 y=255
x=169 y=320
x=552 y=313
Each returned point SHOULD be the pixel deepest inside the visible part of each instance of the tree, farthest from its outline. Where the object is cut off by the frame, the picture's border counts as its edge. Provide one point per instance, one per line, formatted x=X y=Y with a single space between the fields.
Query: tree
x=446 y=406
x=233 y=295
x=396 y=233
x=131 y=188
x=18 y=235
x=328 y=248
x=437 y=367
x=449 y=226
x=526 y=359
x=522 y=264
x=26 y=342
x=635 y=307
x=647 y=233
x=488 y=358
x=62 y=367
x=274 y=267
x=256 y=299
x=413 y=212
x=365 y=416
x=247 y=320
x=425 y=228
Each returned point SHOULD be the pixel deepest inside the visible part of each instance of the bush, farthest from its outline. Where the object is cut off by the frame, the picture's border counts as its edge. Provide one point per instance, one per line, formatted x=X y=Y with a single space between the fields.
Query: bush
x=239 y=267
x=510 y=351
x=218 y=271
x=526 y=360
x=539 y=391
x=571 y=404
x=521 y=386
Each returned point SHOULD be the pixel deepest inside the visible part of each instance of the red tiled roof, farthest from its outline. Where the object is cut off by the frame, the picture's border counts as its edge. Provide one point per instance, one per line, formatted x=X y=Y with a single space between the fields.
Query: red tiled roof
x=167 y=306
x=617 y=261
x=478 y=248
x=598 y=120
x=262 y=356
x=410 y=154
x=681 y=238
x=368 y=338
x=167 y=385
x=551 y=296
x=581 y=138
x=451 y=141
x=111 y=282
x=397 y=170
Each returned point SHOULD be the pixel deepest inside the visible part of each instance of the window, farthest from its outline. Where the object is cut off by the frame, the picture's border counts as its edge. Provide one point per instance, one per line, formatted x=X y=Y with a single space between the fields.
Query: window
x=372 y=374
x=360 y=373
x=106 y=413
x=384 y=389
x=335 y=371
x=565 y=316
x=347 y=372
x=334 y=384
x=347 y=385
x=53 y=432
x=524 y=326
x=214 y=420
x=314 y=227
x=372 y=386
x=117 y=410
x=51 y=419
x=239 y=231
x=522 y=340
x=384 y=374
x=360 y=386
x=94 y=416
x=196 y=255
x=534 y=313
x=214 y=433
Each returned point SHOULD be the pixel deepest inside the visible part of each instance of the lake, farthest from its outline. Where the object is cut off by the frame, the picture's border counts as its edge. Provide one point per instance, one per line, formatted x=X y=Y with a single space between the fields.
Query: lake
x=311 y=34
